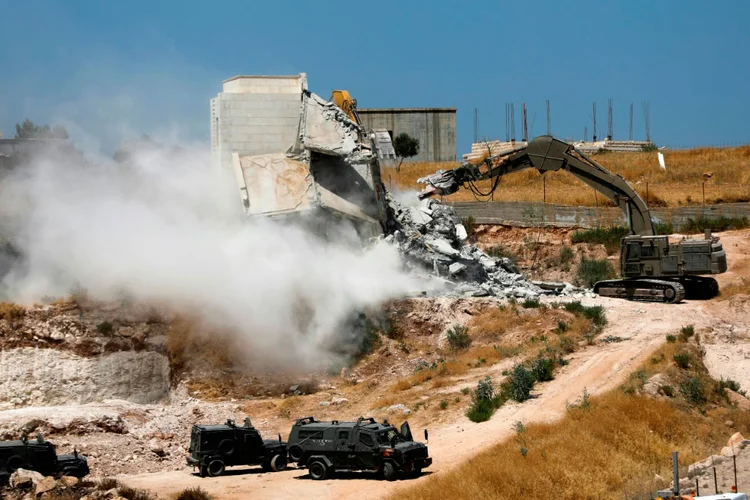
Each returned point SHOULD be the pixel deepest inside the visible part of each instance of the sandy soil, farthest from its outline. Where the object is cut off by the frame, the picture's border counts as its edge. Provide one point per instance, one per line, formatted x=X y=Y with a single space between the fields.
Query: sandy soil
x=596 y=368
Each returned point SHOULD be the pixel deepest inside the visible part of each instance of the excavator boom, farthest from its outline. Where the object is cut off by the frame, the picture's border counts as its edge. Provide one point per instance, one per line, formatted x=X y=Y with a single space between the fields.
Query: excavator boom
x=655 y=270
x=545 y=154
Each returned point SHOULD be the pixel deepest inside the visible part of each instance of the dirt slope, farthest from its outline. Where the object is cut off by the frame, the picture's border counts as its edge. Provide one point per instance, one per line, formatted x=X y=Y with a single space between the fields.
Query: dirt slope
x=596 y=368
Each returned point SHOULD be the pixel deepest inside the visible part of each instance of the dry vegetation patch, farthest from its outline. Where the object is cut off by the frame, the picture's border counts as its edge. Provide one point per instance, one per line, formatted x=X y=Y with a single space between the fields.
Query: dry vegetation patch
x=680 y=184
x=608 y=446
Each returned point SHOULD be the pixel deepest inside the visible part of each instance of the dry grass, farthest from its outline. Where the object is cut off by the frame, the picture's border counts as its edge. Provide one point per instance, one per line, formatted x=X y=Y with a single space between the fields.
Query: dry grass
x=11 y=313
x=680 y=184
x=611 y=448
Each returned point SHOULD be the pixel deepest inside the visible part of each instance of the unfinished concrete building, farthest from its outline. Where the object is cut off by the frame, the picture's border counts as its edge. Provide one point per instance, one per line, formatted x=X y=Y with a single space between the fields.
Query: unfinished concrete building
x=434 y=127
x=294 y=153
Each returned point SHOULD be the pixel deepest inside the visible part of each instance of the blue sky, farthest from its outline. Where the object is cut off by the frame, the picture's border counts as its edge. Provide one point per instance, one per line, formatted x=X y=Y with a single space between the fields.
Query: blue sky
x=109 y=70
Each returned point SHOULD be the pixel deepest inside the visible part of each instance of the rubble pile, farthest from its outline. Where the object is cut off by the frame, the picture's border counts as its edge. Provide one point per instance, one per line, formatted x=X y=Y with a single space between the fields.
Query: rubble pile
x=432 y=238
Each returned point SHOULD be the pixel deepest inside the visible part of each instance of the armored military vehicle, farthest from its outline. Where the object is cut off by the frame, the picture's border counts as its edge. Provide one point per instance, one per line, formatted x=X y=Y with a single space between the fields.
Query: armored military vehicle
x=39 y=455
x=327 y=447
x=214 y=447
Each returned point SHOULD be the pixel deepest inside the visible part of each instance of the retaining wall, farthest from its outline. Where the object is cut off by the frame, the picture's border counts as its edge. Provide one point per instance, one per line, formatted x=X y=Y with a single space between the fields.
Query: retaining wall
x=548 y=214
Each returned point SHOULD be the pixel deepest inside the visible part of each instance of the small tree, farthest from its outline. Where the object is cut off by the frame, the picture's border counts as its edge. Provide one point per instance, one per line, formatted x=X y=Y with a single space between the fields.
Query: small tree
x=405 y=146
x=30 y=130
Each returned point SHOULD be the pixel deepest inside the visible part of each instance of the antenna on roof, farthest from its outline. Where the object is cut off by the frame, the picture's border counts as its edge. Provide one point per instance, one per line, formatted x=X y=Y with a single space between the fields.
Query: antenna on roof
x=525 y=125
x=646 y=107
x=609 y=120
x=512 y=122
x=594 y=121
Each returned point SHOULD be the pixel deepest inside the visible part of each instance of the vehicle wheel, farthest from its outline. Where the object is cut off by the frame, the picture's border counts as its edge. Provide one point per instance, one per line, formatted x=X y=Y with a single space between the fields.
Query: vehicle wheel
x=14 y=463
x=389 y=471
x=295 y=453
x=278 y=463
x=318 y=470
x=226 y=447
x=204 y=470
x=216 y=468
x=417 y=471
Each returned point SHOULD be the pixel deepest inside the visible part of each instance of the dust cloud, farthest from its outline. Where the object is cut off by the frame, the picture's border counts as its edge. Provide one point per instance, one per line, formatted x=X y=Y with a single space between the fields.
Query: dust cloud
x=165 y=228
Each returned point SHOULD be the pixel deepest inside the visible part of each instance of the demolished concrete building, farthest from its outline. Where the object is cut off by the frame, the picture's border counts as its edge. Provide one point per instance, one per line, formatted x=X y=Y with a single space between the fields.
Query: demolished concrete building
x=294 y=153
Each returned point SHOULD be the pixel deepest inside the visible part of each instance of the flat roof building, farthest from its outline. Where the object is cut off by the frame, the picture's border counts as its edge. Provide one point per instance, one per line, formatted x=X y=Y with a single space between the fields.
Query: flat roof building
x=434 y=127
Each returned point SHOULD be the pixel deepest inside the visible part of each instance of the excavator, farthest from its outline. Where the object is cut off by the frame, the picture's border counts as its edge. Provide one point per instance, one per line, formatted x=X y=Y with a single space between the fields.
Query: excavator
x=653 y=268
x=383 y=143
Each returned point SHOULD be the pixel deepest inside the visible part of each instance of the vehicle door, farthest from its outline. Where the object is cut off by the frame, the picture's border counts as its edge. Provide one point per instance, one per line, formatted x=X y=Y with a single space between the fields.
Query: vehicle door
x=253 y=450
x=42 y=458
x=344 y=456
x=366 y=450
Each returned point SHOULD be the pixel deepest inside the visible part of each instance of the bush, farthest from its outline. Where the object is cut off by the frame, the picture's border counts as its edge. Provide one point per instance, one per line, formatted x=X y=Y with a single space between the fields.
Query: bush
x=609 y=237
x=686 y=332
x=562 y=326
x=663 y=227
x=666 y=390
x=567 y=345
x=732 y=384
x=458 y=337
x=693 y=390
x=699 y=224
x=196 y=493
x=443 y=404
x=519 y=384
x=592 y=270
x=543 y=369
x=566 y=254
x=671 y=338
x=484 y=402
x=594 y=313
x=469 y=224
x=105 y=327
x=500 y=251
x=682 y=359
x=530 y=303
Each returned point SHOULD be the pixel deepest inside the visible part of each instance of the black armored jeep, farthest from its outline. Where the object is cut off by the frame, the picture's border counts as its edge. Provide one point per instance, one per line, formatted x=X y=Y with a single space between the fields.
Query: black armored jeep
x=213 y=447
x=326 y=447
x=39 y=455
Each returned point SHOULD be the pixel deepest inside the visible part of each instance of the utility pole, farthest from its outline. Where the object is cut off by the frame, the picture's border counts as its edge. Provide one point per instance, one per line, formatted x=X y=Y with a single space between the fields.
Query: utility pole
x=609 y=121
x=512 y=122
x=631 y=121
x=525 y=125
x=594 y=121
x=476 y=121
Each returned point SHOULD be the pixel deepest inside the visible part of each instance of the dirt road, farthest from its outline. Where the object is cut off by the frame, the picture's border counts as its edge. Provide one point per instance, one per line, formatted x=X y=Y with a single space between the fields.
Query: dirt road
x=596 y=368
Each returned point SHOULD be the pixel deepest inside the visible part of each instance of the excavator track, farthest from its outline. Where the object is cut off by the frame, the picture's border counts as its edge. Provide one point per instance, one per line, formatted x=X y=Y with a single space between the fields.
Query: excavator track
x=642 y=290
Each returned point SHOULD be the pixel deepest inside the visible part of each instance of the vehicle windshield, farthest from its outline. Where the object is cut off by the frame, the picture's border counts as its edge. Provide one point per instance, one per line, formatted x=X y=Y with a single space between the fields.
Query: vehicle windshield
x=386 y=436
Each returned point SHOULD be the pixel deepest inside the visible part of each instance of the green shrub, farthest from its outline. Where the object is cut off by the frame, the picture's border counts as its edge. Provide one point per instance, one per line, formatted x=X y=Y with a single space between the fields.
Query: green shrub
x=530 y=303
x=501 y=251
x=609 y=237
x=666 y=390
x=105 y=327
x=443 y=404
x=543 y=369
x=566 y=255
x=567 y=345
x=458 y=337
x=693 y=390
x=519 y=384
x=671 y=338
x=699 y=224
x=686 y=332
x=469 y=224
x=663 y=227
x=682 y=359
x=484 y=402
x=592 y=270
x=732 y=384
x=465 y=391
x=562 y=326
x=594 y=313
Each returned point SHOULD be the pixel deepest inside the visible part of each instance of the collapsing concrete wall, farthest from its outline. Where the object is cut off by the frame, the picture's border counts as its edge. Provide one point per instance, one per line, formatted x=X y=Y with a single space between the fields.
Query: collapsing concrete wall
x=326 y=165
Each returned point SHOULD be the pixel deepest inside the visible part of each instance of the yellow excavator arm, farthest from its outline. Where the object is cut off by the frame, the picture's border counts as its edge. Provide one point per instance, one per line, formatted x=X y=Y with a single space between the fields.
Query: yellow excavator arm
x=343 y=100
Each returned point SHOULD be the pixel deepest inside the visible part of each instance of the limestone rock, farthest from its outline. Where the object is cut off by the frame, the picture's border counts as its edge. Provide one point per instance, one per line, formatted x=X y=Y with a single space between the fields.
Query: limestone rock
x=23 y=478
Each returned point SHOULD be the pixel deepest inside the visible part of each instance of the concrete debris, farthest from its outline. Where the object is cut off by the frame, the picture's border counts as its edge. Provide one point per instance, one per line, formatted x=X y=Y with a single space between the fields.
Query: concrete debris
x=433 y=240
x=23 y=478
x=399 y=408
